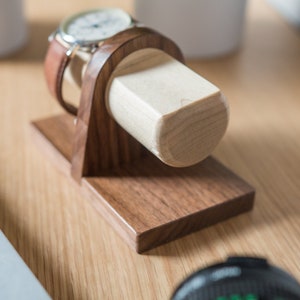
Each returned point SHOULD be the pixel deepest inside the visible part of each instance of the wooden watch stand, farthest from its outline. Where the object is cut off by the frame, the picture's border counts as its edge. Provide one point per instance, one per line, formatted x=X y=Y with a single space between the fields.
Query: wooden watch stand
x=147 y=202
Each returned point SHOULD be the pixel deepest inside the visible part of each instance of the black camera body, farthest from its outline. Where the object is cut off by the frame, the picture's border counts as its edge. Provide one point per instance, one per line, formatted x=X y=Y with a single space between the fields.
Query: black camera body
x=239 y=278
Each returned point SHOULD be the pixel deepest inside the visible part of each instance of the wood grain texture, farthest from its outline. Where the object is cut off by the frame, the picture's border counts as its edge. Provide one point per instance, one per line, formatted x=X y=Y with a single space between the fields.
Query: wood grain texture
x=100 y=143
x=175 y=113
x=147 y=202
x=170 y=109
x=74 y=252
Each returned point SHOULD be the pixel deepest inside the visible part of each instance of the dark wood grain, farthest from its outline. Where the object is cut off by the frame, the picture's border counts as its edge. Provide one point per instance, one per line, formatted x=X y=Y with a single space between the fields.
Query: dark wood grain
x=100 y=143
x=147 y=202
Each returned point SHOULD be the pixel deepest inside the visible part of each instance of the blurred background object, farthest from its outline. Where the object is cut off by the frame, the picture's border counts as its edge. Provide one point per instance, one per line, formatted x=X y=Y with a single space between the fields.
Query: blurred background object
x=202 y=28
x=239 y=278
x=16 y=279
x=290 y=9
x=13 y=29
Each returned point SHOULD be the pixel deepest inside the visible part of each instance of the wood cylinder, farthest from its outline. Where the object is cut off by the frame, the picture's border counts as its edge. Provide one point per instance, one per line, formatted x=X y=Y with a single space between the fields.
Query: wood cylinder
x=175 y=113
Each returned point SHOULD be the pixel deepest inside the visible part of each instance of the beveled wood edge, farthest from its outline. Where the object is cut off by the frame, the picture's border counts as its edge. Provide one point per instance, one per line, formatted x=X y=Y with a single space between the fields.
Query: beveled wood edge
x=198 y=221
x=115 y=220
x=58 y=159
x=64 y=165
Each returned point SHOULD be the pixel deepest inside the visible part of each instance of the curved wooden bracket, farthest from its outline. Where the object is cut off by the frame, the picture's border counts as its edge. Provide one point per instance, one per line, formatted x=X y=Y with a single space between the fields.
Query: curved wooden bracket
x=100 y=143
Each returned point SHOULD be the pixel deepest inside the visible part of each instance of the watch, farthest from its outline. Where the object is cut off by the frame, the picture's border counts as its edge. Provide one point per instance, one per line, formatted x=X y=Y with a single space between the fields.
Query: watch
x=82 y=32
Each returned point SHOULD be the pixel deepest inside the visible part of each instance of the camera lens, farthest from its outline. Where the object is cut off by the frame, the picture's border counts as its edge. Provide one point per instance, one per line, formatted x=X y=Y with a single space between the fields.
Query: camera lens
x=239 y=278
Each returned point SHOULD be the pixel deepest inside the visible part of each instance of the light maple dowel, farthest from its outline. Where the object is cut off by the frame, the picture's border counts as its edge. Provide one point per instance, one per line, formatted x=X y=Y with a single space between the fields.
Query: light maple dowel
x=174 y=112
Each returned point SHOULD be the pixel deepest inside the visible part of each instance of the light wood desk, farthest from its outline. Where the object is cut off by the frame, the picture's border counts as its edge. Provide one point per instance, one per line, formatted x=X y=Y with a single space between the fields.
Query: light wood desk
x=72 y=250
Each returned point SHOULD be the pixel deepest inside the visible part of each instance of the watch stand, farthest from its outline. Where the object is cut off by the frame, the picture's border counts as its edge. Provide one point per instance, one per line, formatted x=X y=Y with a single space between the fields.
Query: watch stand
x=147 y=202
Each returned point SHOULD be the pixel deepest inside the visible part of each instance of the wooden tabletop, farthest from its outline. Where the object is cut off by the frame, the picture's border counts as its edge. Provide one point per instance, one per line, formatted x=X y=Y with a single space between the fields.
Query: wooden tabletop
x=73 y=251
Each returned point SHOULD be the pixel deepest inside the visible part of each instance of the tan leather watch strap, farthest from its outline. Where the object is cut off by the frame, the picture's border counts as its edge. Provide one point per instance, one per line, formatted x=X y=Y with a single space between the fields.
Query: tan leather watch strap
x=56 y=62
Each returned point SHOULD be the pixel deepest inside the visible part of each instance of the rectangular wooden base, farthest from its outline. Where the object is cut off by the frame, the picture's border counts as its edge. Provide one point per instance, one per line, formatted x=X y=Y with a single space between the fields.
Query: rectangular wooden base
x=147 y=202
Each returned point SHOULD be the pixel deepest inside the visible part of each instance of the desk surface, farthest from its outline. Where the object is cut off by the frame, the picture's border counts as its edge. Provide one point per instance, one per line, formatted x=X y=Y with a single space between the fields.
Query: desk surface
x=72 y=250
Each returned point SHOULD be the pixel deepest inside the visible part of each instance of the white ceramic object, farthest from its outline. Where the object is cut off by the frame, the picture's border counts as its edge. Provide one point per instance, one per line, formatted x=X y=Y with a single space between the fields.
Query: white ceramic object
x=202 y=28
x=16 y=279
x=13 y=29
x=290 y=9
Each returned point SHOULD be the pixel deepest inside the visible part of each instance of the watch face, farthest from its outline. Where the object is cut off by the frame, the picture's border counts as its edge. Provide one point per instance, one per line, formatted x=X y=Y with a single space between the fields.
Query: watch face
x=94 y=26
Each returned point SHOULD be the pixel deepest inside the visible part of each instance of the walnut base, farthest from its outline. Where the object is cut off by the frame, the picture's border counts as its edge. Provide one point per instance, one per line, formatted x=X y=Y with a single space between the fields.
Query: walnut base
x=147 y=202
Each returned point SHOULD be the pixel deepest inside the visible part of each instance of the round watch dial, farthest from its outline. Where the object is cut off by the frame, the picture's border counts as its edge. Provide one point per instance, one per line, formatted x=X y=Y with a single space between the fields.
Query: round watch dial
x=94 y=26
